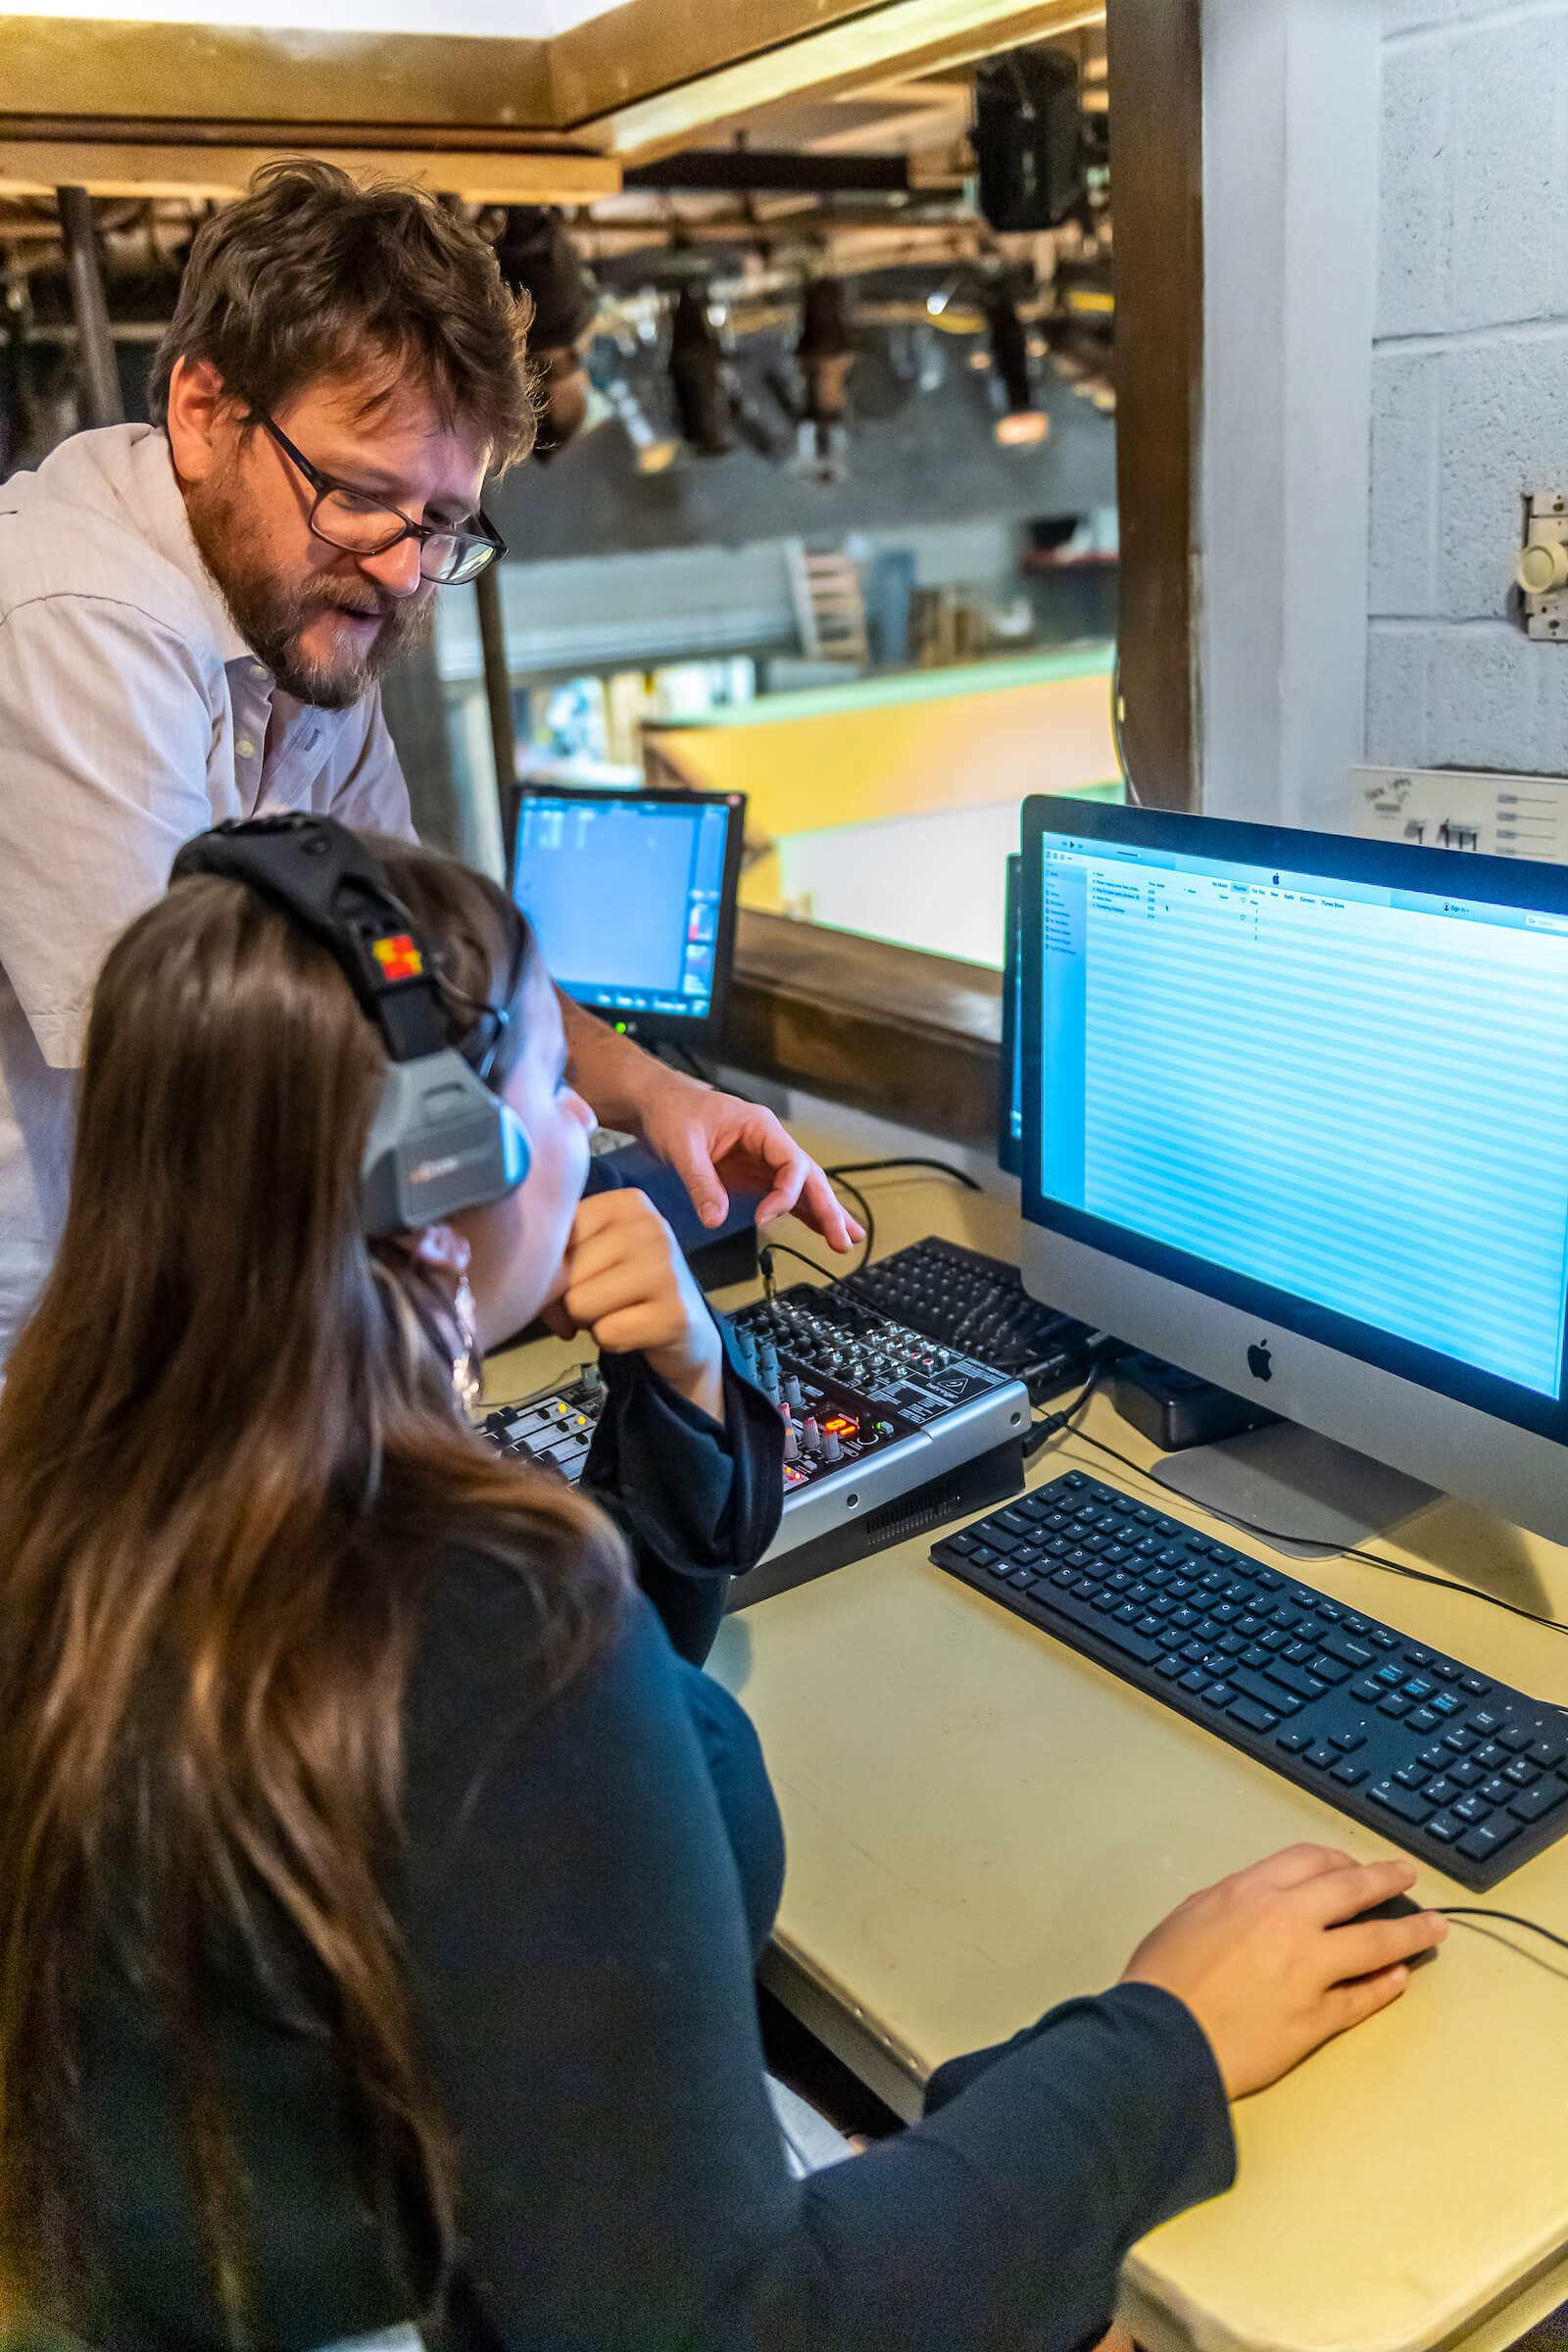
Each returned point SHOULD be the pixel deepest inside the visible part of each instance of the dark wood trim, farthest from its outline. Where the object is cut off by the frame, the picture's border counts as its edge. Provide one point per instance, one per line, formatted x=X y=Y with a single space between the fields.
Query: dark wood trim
x=910 y=1036
x=1157 y=159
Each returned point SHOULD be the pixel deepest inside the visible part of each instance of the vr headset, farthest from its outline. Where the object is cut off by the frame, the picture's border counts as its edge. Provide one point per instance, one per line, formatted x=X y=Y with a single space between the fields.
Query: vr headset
x=440 y=1141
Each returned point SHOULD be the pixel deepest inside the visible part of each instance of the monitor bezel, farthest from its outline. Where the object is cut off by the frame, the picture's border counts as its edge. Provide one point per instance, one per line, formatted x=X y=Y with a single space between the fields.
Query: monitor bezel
x=1010 y=1146
x=687 y=1029
x=1344 y=858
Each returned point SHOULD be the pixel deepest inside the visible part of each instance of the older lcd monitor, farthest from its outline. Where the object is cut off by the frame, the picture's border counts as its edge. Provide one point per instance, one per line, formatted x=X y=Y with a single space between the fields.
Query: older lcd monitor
x=632 y=895
x=1295 y=1116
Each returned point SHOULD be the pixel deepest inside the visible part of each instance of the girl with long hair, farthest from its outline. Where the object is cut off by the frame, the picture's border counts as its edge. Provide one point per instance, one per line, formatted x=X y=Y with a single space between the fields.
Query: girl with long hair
x=379 y=1889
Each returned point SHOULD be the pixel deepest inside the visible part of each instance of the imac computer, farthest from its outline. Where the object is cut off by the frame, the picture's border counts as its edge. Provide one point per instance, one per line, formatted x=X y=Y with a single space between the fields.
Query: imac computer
x=1009 y=1128
x=1296 y=1118
x=632 y=897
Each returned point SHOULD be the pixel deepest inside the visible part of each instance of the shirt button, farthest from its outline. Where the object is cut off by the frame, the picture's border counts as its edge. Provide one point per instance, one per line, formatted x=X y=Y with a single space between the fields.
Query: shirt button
x=245 y=747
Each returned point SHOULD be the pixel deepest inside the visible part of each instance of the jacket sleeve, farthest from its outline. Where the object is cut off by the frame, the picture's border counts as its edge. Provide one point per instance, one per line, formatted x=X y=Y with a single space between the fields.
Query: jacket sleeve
x=698 y=1502
x=579 y=1947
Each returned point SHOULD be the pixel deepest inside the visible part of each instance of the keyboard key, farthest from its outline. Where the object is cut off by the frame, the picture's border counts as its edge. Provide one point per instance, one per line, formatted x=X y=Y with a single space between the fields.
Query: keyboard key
x=1348 y=1737
x=1482 y=1842
x=1195 y=1678
x=1125 y=1638
x=962 y=1545
x=1338 y=1645
x=1521 y=1772
x=1547 y=1753
x=1023 y=1579
x=1293 y=1740
x=1533 y=1804
x=1293 y=1679
x=1348 y=1771
x=1394 y=1705
x=1513 y=1736
x=1475 y=1684
x=1322 y=1755
x=1261 y=1719
x=1443 y=1828
x=1171 y=1668
x=1409 y=1804
x=1219 y=1695
x=1464 y=1772
x=1256 y=1686
x=1473 y=1807
x=1422 y=1719
x=1366 y=1686
x=983 y=1556
x=1329 y=1669
x=1487 y=1721
x=1443 y=1789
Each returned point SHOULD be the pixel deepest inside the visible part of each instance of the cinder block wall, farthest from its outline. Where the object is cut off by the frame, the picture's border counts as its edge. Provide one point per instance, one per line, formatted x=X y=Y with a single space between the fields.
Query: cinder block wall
x=1470 y=380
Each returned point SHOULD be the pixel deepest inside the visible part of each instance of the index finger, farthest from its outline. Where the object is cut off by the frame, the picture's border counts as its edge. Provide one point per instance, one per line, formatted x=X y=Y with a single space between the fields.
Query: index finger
x=1338 y=1894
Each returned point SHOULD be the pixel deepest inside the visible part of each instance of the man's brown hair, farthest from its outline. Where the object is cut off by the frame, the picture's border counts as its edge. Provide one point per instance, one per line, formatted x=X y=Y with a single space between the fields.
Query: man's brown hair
x=313 y=276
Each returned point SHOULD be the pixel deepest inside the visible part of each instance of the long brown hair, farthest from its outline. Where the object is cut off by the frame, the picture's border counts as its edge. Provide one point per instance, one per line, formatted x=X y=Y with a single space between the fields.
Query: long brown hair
x=229 y=1456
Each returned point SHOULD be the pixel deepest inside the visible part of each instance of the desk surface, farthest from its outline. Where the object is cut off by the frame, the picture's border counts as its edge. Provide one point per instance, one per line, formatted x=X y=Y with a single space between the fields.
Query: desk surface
x=980 y=1822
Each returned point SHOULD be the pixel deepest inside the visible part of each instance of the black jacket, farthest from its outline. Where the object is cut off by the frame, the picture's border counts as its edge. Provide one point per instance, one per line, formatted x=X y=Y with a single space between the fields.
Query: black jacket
x=584 y=1896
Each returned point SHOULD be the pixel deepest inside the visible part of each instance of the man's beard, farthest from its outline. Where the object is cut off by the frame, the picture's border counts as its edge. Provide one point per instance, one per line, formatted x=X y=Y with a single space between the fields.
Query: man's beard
x=270 y=614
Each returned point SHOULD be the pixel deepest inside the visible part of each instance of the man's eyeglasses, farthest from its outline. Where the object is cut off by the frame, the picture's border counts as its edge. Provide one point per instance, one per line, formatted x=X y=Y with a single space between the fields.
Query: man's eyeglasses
x=363 y=525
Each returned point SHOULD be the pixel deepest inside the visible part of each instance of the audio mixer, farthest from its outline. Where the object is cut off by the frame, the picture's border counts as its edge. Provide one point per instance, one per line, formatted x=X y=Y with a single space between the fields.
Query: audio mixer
x=886 y=1431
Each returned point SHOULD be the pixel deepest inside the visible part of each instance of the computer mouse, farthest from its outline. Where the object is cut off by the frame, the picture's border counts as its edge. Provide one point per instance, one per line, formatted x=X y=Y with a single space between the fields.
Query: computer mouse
x=1397 y=1906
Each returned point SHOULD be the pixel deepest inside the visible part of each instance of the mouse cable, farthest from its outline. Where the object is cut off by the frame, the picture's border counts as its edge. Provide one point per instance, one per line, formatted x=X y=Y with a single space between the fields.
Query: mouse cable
x=1352 y=1551
x=1480 y=1911
x=873 y=1167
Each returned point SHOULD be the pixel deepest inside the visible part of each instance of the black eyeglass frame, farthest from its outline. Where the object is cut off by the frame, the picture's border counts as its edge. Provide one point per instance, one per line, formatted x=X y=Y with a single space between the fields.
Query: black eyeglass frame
x=487 y=538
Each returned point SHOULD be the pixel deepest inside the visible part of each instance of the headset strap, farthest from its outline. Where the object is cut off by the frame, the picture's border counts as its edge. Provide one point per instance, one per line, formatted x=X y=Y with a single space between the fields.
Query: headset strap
x=338 y=890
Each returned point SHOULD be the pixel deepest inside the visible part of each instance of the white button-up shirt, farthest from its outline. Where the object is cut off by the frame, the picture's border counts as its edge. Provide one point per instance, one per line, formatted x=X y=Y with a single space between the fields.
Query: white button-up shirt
x=133 y=715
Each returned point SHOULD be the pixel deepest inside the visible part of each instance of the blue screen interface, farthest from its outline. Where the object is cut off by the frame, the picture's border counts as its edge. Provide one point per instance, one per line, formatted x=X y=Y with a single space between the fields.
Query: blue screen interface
x=1356 y=1095
x=624 y=896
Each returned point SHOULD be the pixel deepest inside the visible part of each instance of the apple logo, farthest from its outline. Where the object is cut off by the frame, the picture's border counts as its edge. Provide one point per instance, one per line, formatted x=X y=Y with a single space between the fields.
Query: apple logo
x=1258 y=1360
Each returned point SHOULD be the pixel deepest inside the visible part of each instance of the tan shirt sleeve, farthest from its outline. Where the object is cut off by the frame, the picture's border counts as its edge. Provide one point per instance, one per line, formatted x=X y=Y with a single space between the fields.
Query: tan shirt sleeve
x=107 y=721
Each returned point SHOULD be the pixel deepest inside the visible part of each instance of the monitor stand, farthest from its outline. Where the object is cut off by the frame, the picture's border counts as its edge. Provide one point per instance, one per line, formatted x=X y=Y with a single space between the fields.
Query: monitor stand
x=1309 y=1495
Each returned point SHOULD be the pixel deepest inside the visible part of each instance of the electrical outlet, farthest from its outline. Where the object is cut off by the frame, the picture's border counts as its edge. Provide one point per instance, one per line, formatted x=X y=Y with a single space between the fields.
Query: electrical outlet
x=1542 y=570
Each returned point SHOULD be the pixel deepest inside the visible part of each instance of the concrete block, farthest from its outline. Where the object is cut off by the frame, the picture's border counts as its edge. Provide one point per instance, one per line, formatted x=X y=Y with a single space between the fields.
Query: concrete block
x=1404 y=509
x=1485 y=695
x=1398 y=694
x=1508 y=252
x=1503 y=431
x=1415 y=207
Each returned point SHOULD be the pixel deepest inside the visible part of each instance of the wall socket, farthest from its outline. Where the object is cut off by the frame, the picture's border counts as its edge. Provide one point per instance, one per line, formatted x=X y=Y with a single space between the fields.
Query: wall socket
x=1453 y=809
x=1542 y=570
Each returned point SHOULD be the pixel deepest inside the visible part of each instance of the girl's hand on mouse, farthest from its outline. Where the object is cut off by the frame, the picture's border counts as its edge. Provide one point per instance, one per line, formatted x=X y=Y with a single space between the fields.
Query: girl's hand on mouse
x=1268 y=1968
x=626 y=1282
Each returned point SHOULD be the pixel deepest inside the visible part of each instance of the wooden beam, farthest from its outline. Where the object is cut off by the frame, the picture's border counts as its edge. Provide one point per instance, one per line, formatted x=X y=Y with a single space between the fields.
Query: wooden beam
x=759 y=51
x=1156 y=156
x=119 y=72
x=143 y=169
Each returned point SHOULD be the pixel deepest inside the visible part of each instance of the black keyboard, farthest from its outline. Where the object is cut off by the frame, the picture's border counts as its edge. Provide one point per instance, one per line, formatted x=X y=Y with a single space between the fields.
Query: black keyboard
x=1462 y=1771
x=979 y=1307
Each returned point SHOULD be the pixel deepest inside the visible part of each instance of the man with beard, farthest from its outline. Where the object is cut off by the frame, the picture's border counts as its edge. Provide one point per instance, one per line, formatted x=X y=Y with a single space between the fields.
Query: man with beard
x=194 y=615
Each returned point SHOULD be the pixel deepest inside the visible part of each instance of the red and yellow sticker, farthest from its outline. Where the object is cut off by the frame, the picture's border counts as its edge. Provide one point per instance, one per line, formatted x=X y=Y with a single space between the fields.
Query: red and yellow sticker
x=399 y=957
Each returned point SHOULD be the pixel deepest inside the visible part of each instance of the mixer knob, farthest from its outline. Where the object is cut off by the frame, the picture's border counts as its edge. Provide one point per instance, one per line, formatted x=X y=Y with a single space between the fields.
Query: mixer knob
x=792 y=1443
x=832 y=1450
x=792 y=1389
x=811 y=1435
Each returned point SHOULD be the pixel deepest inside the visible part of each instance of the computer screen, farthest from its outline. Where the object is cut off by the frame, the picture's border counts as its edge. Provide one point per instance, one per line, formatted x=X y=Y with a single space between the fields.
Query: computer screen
x=1321 y=1082
x=632 y=895
x=1009 y=1127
